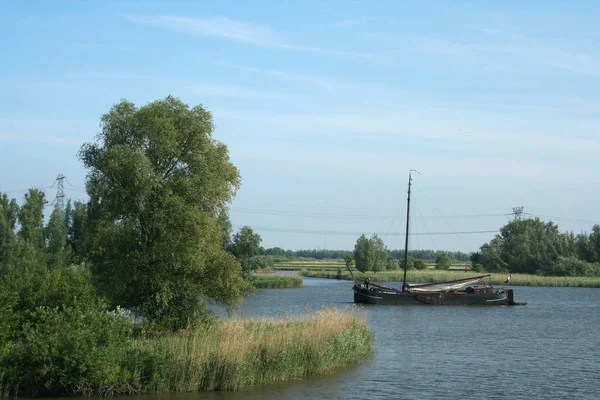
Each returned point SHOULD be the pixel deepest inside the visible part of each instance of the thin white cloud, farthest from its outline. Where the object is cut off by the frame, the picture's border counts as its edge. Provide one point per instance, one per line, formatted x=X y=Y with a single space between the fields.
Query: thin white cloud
x=48 y=131
x=228 y=29
x=326 y=83
x=511 y=51
x=450 y=129
x=28 y=138
x=229 y=91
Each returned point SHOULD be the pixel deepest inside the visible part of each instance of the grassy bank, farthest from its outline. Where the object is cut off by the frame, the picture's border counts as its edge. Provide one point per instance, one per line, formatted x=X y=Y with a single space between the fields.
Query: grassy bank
x=339 y=265
x=319 y=265
x=277 y=281
x=229 y=355
x=441 y=276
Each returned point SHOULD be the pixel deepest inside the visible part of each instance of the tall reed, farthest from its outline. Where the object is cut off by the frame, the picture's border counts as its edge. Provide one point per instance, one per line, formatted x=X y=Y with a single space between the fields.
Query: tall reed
x=237 y=354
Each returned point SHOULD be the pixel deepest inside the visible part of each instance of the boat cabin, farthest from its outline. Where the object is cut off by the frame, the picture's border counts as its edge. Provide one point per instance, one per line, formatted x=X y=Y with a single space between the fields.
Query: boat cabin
x=479 y=289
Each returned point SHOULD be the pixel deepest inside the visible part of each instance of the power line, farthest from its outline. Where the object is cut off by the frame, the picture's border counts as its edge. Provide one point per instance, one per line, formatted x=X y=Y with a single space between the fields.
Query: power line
x=331 y=232
x=563 y=218
x=352 y=216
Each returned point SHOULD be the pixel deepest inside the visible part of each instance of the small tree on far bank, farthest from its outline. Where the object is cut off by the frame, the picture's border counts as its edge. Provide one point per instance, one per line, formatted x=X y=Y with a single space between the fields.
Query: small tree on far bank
x=363 y=254
x=443 y=261
x=420 y=264
x=246 y=247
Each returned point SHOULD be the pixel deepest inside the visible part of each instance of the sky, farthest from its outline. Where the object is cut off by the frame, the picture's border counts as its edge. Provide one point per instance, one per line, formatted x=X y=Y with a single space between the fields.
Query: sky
x=326 y=106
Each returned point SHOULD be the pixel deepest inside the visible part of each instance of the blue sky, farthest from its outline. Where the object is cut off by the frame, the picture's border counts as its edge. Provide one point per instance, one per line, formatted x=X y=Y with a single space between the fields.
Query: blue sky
x=325 y=106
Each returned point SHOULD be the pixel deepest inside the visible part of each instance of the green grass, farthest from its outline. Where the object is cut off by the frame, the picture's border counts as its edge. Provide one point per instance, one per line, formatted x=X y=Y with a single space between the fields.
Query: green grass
x=335 y=265
x=277 y=281
x=325 y=265
x=441 y=276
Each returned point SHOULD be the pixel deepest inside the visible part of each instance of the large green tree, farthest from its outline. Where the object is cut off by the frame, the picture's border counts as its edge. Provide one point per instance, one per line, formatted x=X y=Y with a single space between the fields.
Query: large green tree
x=532 y=246
x=158 y=183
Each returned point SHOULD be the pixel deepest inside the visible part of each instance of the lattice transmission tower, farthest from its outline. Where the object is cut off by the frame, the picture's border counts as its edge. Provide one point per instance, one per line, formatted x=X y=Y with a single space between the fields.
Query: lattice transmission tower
x=60 y=190
x=518 y=213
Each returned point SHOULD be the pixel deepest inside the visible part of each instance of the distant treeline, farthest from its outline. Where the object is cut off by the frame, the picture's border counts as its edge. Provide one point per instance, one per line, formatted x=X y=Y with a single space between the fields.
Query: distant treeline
x=427 y=255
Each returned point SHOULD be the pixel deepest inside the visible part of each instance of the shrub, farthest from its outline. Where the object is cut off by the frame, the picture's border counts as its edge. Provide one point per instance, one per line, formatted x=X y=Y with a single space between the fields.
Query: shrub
x=76 y=350
x=570 y=266
x=420 y=264
x=442 y=261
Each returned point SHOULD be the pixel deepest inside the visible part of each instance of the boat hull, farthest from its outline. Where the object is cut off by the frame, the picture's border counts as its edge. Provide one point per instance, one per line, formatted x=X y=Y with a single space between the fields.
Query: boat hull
x=363 y=295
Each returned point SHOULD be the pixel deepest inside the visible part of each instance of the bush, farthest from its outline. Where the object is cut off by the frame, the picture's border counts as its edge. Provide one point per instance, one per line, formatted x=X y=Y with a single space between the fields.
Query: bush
x=420 y=264
x=477 y=268
x=76 y=350
x=570 y=266
x=442 y=261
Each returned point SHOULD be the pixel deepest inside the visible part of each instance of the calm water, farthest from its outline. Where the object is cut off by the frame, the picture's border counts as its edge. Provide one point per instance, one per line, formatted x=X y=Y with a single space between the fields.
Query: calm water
x=548 y=349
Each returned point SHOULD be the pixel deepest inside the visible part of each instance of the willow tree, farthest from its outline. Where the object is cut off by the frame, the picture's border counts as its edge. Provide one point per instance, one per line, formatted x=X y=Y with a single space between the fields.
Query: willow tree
x=158 y=183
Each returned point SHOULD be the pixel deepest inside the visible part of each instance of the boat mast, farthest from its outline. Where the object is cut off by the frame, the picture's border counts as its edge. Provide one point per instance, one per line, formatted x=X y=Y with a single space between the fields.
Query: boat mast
x=404 y=286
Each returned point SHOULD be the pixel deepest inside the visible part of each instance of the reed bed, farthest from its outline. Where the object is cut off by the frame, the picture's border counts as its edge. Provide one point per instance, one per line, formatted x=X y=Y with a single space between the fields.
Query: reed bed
x=238 y=354
x=277 y=282
x=441 y=276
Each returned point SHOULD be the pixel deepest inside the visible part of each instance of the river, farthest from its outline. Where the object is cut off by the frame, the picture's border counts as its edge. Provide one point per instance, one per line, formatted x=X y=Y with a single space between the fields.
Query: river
x=548 y=349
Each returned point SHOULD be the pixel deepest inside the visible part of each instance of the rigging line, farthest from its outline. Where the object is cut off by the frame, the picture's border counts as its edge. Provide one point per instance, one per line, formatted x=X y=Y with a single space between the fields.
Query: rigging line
x=330 y=232
x=421 y=191
x=427 y=228
x=393 y=221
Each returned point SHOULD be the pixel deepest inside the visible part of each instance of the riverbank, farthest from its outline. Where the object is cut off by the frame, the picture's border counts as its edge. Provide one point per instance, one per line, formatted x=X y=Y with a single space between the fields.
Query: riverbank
x=276 y=281
x=442 y=276
x=227 y=355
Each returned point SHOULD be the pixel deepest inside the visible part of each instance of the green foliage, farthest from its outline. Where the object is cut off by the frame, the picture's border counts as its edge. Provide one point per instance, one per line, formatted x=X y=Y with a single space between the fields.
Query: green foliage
x=73 y=350
x=372 y=255
x=77 y=218
x=348 y=260
x=225 y=225
x=56 y=238
x=246 y=247
x=430 y=255
x=391 y=263
x=276 y=281
x=275 y=251
x=410 y=263
x=379 y=254
x=157 y=180
x=443 y=261
x=364 y=254
x=419 y=264
x=8 y=219
x=532 y=246
x=570 y=266
x=31 y=218
x=477 y=268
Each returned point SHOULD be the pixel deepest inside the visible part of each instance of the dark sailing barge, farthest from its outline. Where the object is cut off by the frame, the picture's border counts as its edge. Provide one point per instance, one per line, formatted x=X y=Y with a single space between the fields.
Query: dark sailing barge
x=458 y=292
x=437 y=294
